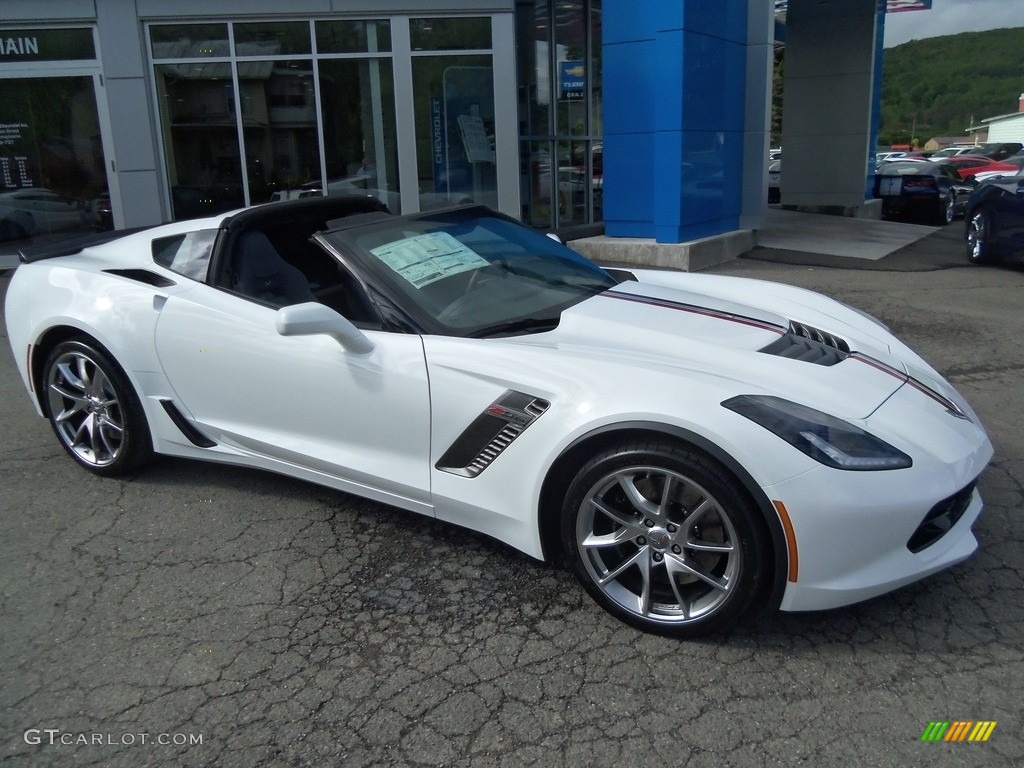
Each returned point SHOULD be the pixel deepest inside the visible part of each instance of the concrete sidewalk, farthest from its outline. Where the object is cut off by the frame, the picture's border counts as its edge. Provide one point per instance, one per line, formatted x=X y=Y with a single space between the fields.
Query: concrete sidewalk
x=836 y=235
x=814 y=239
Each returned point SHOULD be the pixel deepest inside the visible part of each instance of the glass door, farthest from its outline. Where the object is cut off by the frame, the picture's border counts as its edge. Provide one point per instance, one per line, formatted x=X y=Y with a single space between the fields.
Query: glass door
x=53 y=180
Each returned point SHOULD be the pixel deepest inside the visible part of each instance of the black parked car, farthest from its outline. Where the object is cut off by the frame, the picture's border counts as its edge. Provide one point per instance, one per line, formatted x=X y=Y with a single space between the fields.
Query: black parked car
x=995 y=220
x=929 y=190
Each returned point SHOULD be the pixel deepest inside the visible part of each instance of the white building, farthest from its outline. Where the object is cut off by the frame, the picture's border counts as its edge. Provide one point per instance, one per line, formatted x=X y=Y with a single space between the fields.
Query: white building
x=1007 y=127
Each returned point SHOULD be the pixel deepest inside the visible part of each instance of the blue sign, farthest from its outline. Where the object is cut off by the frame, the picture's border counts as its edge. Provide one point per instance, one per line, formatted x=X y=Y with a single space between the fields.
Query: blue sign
x=572 y=80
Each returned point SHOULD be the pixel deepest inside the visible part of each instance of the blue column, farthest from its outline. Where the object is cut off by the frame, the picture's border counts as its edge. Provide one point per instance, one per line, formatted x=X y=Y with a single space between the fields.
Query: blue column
x=876 y=100
x=674 y=92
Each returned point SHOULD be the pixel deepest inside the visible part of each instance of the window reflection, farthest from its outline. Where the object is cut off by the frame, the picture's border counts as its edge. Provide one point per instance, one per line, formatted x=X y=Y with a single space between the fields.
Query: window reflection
x=52 y=174
x=360 y=149
x=559 y=112
x=353 y=36
x=279 y=119
x=192 y=41
x=454 y=101
x=197 y=115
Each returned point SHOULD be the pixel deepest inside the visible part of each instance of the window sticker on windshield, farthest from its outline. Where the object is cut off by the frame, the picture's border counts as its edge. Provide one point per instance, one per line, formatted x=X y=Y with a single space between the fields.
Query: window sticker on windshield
x=425 y=259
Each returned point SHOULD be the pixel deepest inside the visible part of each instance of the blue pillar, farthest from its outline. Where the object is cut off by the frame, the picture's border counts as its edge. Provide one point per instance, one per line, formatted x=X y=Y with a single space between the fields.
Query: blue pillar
x=675 y=90
x=876 y=101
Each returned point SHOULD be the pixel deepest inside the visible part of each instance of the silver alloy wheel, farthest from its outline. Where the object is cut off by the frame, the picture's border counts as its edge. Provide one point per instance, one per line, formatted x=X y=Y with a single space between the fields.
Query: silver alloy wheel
x=949 y=213
x=658 y=544
x=86 y=411
x=977 y=235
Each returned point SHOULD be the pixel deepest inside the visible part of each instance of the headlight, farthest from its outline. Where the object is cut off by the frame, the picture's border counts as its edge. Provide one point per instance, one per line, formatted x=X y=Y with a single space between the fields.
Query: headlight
x=833 y=442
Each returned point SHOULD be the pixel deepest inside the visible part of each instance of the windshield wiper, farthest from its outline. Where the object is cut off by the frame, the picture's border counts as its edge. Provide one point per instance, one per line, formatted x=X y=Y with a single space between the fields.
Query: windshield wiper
x=528 y=324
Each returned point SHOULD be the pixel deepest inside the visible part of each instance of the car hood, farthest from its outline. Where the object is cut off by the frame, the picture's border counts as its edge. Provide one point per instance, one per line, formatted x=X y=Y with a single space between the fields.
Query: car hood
x=754 y=337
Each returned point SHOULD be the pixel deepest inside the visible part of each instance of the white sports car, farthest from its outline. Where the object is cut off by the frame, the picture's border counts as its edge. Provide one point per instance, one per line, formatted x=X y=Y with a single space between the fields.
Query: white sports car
x=696 y=446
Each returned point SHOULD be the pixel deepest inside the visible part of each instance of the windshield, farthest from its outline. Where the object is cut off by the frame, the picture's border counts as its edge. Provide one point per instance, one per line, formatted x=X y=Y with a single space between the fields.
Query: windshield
x=472 y=272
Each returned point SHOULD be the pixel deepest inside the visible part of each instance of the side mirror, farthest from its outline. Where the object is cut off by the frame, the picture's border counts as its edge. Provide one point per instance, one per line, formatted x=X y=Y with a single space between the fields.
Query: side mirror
x=556 y=238
x=312 y=318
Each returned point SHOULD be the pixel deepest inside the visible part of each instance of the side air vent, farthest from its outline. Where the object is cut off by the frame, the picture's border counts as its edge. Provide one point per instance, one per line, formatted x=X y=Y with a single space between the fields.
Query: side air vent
x=809 y=345
x=194 y=435
x=143 y=276
x=491 y=432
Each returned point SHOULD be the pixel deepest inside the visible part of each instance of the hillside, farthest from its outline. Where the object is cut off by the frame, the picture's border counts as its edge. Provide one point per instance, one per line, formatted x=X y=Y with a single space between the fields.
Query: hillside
x=935 y=86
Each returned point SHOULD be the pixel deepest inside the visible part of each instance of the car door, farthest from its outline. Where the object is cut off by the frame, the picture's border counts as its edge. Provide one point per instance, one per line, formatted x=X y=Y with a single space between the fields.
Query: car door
x=1008 y=207
x=302 y=401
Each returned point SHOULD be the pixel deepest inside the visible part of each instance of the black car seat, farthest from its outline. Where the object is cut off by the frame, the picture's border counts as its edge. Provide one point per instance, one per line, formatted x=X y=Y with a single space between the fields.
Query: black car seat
x=260 y=273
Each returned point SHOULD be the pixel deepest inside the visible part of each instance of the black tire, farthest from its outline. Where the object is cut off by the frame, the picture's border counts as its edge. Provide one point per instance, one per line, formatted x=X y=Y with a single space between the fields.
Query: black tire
x=94 y=410
x=703 y=545
x=978 y=236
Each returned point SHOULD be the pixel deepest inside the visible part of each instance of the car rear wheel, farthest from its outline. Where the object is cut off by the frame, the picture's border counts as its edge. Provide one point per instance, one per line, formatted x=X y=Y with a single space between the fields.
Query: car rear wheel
x=664 y=538
x=979 y=228
x=93 y=409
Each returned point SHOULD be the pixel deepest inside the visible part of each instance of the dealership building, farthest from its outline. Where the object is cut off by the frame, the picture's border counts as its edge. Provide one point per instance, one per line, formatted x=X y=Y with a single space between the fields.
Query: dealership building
x=647 y=123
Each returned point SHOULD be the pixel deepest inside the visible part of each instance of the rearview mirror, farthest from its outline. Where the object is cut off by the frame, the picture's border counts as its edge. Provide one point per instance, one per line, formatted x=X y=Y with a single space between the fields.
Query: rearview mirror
x=312 y=318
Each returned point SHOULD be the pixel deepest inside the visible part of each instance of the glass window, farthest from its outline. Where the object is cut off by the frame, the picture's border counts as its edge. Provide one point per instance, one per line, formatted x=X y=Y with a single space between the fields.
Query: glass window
x=559 y=66
x=272 y=38
x=360 y=143
x=52 y=172
x=534 y=69
x=454 y=104
x=450 y=34
x=187 y=254
x=353 y=36
x=537 y=185
x=571 y=67
x=282 y=147
x=200 y=135
x=189 y=41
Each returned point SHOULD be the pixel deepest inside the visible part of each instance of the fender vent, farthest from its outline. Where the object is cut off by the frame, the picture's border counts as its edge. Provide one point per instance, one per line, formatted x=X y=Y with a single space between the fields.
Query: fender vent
x=194 y=435
x=809 y=345
x=490 y=433
x=143 y=276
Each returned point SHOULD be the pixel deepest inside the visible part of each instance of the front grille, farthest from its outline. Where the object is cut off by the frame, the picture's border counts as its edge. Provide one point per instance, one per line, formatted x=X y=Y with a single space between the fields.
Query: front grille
x=940 y=519
x=809 y=345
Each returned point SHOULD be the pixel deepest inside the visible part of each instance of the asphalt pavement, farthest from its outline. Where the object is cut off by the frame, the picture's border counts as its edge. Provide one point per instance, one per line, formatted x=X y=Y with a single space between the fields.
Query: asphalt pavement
x=202 y=615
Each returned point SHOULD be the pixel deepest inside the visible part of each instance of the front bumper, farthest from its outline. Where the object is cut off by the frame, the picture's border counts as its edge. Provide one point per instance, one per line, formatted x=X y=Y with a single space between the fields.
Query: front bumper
x=862 y=534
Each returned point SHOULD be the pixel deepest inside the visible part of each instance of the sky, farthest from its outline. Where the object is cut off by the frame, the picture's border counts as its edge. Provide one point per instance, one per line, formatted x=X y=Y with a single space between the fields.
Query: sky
x=950 y=17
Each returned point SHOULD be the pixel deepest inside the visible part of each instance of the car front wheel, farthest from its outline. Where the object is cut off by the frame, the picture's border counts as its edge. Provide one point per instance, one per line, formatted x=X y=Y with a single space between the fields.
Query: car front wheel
x=93 y=409
x=664 y=538
x=947 y=209
x=979 y=228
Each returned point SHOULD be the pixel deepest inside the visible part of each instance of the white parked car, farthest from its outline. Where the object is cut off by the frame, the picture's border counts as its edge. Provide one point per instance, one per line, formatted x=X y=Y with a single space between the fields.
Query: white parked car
x=34 y=210
x=697 y=447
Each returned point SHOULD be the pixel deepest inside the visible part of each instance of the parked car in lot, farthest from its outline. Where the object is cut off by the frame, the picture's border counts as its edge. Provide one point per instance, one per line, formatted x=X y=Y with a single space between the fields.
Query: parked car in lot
x=931 y=190
x=952 y=152
x=970 y=166
x=995 y=220
x=775 y=181
x=696 y=447
x=998 y=150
